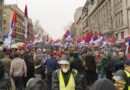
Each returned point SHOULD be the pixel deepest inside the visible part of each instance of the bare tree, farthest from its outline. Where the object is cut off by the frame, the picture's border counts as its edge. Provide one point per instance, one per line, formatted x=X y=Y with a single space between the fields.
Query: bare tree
x=38 y=27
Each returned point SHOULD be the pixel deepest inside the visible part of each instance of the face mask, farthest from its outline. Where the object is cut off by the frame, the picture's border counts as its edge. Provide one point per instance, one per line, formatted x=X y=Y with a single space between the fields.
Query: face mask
x=121 y=88
x=65 y=70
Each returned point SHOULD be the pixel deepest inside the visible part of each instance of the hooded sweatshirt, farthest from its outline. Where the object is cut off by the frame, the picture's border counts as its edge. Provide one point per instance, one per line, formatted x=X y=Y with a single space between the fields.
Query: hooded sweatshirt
x=35 y=81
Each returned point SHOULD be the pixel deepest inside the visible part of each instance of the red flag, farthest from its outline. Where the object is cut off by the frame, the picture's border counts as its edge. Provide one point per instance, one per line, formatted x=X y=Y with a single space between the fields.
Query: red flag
x=14 y=18
x=88 y=36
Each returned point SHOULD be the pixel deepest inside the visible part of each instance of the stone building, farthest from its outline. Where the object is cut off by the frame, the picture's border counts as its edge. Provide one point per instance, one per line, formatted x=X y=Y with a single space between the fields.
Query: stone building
x=86 y=9
x=73 y=30
x=19 y=28
x=78 y=21
x=108 y=16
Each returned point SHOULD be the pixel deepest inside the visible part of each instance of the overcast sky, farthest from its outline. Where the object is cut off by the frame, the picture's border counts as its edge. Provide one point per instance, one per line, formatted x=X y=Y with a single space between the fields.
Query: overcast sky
x=54 y=15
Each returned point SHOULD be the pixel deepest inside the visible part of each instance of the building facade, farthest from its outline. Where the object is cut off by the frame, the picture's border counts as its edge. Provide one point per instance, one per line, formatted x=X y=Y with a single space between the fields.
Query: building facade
x=78 y=21
x=86 y=9
x=121 y=26
x=73 y=30
x=128 y=13
x=19 y=28
x=110 y=17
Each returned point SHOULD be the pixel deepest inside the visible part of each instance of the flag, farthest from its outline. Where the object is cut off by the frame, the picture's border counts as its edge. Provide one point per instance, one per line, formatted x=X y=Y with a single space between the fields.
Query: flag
x=11 y=32
x=95 y=37
x=12 y=25
x=127 y=39
x=99 y=37
x=88 y=37
x=26 y=12
x=32 y=39
x=38 y=38
x=80 y=40
x=26 y=22
x=112 y=40
x=67 y=35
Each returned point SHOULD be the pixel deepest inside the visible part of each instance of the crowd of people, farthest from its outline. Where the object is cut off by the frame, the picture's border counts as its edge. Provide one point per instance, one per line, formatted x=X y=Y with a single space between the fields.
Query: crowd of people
x=70 y=68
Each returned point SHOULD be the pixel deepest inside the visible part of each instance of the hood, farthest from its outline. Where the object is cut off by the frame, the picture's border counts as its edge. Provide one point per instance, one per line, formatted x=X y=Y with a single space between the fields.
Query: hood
x=103 y=84
x=32 y=82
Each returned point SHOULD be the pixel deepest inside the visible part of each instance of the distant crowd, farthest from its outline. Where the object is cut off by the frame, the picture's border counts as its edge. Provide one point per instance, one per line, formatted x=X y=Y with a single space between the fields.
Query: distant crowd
x=60 y=68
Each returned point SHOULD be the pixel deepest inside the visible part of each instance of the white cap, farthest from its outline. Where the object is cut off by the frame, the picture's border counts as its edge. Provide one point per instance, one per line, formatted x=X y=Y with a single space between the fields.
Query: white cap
x=39 y=49
x=63 y=62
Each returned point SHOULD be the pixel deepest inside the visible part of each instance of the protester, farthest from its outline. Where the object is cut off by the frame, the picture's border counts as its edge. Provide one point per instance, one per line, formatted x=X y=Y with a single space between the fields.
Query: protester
x=125 y=74
x=6 y=61
x=76 y=63
x=119 y=80
x=66 y=78
x=18 y=70
x=30 y=66
x=78 y=68
x=36 y=84
x=6 y=82
x=90 y=75
x=50 y=66
x=103 y=84
x=102 y=66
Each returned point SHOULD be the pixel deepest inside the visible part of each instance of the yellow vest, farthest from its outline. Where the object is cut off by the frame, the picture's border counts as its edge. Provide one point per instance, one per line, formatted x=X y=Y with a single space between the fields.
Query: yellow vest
x=70 y=85
x=128 y=75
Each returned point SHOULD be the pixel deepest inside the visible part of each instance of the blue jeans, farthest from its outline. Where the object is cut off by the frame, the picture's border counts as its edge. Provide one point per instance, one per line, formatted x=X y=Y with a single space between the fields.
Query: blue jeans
x=18 y=80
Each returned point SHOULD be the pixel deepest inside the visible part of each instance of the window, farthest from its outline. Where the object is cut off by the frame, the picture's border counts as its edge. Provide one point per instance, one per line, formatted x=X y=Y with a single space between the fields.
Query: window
x=122 y=35
x=116 y=21
x=119 y=19
x=117 y=35
x=122 y=18
x=92 y=1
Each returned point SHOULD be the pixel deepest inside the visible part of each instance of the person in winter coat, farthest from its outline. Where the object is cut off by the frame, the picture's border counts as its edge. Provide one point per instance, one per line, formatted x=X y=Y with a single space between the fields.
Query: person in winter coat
x=90 y=75
x=6 y=61
x=77 y=63
x=30 y=66
x=50 y=66
x=102 y=66
x=36 y=84
x=66 y=78
x=6 y=82
x=119 y=81
x=103 y=84
x=18 y=70
x=125 y=74
x=38 y=60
